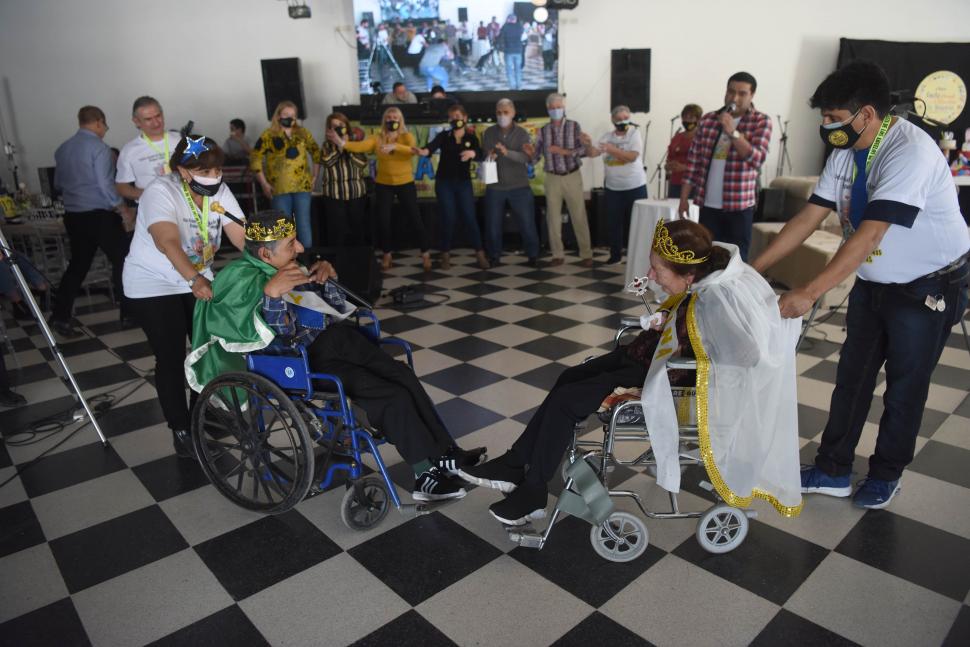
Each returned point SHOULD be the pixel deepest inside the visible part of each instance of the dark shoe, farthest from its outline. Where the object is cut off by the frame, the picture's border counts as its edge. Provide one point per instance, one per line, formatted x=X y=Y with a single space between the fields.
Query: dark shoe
x=527 y=503
x=613 y=260
x=815 y=481
x=434 y=485
x=66 y=329
x=586 y=262
x=182 y=442
x=445 y=263
x=482 y=261
x=495 y=261
x=10 y=398
x=875 y=494
x=456 y=458
x=21 y=311
x=532 y=262
x=556 y=262
x=497 y=474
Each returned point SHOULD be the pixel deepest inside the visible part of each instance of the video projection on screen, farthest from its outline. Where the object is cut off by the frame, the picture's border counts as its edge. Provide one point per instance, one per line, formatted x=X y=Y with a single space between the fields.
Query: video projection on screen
x=464 y=46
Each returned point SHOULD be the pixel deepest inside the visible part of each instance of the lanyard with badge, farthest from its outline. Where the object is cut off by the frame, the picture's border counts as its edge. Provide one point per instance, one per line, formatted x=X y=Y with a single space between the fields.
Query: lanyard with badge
x=165 y=168
x=202 y=220
x=870 y=156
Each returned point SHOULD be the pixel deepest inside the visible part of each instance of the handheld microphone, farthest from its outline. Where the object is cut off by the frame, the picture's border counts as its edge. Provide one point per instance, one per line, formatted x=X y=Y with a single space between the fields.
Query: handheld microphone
x=187 y=128
x=731 y=107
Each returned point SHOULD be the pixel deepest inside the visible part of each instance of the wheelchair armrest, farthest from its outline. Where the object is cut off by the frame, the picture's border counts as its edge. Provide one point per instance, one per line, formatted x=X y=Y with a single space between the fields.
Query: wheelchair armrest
x=368 y=323
x=686 y=363
x=629 y=322
x=394 y=341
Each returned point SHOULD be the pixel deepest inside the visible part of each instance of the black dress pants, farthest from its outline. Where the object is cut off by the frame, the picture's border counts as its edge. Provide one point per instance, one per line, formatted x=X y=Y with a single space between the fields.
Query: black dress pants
x=407 y=195
x=577 y=394
x=87 y=231
x=385 y=388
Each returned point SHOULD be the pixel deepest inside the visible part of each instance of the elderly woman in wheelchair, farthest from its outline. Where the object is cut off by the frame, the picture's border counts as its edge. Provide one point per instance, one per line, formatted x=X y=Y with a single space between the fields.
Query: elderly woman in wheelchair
x=720 y=312
x=309 y=367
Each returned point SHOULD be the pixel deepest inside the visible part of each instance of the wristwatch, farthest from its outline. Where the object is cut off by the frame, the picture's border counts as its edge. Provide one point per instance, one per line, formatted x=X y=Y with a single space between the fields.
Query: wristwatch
x=194 y=279
x=735 y=134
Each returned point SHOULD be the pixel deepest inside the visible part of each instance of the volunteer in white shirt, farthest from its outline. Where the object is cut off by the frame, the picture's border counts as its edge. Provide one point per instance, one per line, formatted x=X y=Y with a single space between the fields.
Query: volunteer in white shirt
x=146 y=156
x=624 y=179
x=181 y=219
x=908 y=244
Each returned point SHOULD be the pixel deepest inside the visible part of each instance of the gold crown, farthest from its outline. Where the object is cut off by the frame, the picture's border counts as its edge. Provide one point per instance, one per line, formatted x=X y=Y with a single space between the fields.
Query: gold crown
x=283 y=228
x=664 y=245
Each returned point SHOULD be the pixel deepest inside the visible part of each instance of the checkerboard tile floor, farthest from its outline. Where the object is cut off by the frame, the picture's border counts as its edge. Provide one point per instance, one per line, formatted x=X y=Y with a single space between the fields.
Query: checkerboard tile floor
x=127 y=545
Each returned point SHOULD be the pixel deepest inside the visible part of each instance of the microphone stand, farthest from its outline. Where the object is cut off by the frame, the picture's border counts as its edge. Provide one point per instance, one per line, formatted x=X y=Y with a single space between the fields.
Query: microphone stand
x=783 y=156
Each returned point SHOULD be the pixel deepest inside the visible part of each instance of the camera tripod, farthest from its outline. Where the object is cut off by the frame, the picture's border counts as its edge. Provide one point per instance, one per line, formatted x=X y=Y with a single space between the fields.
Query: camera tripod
x=7 y=252
x=385 y=52
x=783 y=157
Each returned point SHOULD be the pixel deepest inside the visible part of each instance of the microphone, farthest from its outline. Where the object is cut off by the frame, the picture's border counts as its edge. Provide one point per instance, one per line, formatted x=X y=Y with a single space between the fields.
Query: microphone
x=218 y=208
x=187 y=128
x=674 y=118
x=731 y=107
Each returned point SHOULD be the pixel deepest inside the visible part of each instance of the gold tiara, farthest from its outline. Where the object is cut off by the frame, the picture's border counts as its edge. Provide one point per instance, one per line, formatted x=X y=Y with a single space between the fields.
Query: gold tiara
x=284 y=228
x=664 y=245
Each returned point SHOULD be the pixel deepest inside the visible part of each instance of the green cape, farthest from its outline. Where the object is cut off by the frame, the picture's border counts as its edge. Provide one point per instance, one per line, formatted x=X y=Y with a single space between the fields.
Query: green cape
x=231 y=323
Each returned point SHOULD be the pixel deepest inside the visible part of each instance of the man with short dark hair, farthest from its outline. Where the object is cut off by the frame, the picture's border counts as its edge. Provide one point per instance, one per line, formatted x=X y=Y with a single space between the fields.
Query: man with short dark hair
x=146 y=156
x=908 y=244
x=399 y=95
x=93 y=211
x=237 y=146
x=724 y=161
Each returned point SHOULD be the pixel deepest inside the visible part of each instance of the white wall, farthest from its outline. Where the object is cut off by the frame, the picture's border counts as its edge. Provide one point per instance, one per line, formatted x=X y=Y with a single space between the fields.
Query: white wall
x=56 y=56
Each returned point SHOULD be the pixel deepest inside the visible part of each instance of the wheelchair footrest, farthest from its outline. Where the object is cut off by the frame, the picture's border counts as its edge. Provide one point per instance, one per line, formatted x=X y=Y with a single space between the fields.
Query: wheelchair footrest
x=525 y=536
x=411 y=510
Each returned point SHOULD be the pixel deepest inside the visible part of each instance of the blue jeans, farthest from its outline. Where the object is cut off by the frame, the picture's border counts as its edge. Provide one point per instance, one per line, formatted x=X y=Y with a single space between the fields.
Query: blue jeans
x=619 y=206
x=730 y=226
x=297 y=204
x=434 y=74
x=522 y=206
x=513 y=70
x=891 y=325
x=455 y=199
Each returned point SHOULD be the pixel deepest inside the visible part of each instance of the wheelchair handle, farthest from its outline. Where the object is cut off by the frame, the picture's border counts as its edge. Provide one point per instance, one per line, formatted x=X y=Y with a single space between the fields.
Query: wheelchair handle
x=630 y=322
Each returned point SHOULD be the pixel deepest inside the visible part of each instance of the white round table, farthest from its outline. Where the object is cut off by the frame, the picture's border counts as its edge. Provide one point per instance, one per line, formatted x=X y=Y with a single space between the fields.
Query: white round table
x=646 y=214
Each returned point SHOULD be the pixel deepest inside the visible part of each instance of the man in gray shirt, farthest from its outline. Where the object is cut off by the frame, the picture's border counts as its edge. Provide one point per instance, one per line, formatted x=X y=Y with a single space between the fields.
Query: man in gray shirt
x=399 y=95
x=85 y=176
x=509 y=145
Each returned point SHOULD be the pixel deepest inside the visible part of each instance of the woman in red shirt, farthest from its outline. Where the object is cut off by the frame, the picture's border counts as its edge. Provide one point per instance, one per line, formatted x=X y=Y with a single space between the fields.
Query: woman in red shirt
x=677 y=150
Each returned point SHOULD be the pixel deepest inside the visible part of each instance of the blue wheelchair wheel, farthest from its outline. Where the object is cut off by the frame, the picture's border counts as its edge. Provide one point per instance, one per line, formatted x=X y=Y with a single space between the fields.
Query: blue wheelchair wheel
x=253 y=443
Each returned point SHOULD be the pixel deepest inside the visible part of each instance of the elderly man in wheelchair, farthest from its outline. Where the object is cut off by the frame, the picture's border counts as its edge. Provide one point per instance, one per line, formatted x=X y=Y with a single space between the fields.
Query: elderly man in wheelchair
x=296 y=328
x=720 y=312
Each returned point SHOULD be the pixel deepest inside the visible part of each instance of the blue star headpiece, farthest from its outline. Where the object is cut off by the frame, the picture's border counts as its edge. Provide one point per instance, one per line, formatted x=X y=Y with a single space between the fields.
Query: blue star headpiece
x=195 y=148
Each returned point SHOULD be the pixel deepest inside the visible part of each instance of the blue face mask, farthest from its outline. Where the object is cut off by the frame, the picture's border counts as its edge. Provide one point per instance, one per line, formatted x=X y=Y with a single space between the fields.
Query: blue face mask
x=557 y=113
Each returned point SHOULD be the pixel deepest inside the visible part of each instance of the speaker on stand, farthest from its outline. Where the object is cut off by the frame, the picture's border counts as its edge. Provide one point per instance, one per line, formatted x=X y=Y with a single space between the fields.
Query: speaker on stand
x=282 y=81
x=630 y=79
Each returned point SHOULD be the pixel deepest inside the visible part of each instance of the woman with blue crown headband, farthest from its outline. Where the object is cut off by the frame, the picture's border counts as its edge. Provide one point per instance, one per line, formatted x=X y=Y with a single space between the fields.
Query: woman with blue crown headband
x=725 y=315
x=178 y=230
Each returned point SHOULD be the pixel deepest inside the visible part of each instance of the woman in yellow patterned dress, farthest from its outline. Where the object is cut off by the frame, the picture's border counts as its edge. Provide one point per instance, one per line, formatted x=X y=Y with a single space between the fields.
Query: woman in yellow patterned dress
x=287 y=149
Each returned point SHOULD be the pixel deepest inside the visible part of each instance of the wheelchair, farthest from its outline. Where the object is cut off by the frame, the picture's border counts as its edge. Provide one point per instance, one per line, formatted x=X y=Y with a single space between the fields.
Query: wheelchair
x=622 y=536
x=266 y=437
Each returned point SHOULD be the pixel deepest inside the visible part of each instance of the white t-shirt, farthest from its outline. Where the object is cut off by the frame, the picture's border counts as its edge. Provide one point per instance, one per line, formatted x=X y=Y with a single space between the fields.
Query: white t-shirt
x=140 y=163
x=148 y=272
x=908 y=176
x=417 y=44
x=619 y=175
x=714 y=192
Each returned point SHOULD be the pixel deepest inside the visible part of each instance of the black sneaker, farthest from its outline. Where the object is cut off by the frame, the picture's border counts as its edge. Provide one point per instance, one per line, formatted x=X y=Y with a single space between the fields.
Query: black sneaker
x=497 y=474
x=456 y=458
x=65 y=329
x=527 y=503
x=532 y=262
x=613 y=260
x=182 y=442
x=434 y=485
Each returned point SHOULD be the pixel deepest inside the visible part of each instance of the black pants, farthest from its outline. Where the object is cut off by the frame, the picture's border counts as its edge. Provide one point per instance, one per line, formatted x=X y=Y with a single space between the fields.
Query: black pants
x=345 y=221
x=407 y=195
x=87 y=231
x=385 y=388
x=577 y=394
x=730 y=226
x=4 y=379
x=167 y=322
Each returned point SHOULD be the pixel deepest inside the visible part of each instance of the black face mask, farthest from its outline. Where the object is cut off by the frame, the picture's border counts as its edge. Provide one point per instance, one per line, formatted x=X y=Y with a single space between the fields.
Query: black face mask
x=840 y=135
x=340 y=130
x=621 y=126
x=690 y=125
x=205 y=190
x=286 y=122
x=457 y=124
x=392 y=125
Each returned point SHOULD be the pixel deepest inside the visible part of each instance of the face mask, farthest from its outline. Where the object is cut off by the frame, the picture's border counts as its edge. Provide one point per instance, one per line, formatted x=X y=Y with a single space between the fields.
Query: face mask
x=340 y=130
x=205 y=186
x=392 y=125
x=504 y=121
x=458 y=124
x=840 y=135
x=690 y=125
x=556 y=113
x=621 y=126
x=286 y=122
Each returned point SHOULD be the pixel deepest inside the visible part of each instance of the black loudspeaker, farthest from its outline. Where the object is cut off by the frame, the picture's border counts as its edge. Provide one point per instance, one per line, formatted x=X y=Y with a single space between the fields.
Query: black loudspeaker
x=630 y=79
x=369 y=17
x=357 y=268
x=462 y=14
x=282 y=81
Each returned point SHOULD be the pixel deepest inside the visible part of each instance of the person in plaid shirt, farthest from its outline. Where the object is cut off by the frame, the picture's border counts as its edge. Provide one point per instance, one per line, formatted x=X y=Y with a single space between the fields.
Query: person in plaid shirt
x=723 y=164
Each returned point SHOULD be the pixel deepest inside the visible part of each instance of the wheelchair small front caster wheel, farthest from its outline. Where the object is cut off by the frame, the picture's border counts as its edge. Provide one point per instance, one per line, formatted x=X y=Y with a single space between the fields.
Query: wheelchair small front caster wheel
x=722 y=529
x=365 y=503
x=622 y=538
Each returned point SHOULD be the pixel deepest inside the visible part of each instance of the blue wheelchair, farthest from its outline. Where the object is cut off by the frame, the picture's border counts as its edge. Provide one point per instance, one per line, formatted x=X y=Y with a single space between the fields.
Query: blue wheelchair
x=266 y=437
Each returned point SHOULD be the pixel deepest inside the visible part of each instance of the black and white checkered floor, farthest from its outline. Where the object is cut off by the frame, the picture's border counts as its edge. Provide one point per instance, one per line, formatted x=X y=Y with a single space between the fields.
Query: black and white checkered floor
x=128 y=545
x=491 y=79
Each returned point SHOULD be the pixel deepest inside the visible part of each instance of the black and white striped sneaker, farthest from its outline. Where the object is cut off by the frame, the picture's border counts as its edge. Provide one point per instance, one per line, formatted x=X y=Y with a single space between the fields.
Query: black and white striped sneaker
x=435 y=485
x=457 y=458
